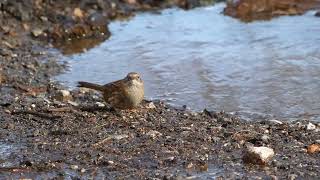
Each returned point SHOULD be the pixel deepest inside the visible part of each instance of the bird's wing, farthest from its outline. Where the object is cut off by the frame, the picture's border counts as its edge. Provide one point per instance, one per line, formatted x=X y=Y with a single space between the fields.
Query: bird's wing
x=115 y=93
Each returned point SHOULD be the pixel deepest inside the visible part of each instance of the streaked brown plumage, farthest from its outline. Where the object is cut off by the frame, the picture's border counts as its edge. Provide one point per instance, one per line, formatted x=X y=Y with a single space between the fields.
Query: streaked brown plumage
x=126 y=93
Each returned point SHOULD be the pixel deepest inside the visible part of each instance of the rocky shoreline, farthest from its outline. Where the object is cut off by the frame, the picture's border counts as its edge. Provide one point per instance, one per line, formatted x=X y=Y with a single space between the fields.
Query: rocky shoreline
x=49 y=132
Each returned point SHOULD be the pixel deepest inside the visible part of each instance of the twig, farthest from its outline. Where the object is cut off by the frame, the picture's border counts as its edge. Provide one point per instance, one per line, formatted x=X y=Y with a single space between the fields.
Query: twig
x=14 y=169
x=102 y=142
x=94 y=108
x=62 y=109
x=39 y=114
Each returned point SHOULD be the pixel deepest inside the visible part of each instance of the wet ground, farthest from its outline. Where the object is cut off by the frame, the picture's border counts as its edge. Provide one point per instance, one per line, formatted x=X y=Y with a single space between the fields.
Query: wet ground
x=48 y=136
x=203 y=59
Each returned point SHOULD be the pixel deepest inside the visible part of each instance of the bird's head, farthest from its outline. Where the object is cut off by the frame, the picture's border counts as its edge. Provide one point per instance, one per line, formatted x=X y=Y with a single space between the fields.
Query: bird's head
x=134 y=78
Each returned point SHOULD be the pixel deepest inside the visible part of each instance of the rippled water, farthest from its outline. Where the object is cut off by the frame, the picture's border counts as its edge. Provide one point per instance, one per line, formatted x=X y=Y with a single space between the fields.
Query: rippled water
x=201 y=58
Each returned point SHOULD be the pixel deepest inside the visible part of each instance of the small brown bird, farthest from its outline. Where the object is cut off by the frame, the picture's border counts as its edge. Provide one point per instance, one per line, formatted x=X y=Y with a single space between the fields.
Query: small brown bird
x=126 y=93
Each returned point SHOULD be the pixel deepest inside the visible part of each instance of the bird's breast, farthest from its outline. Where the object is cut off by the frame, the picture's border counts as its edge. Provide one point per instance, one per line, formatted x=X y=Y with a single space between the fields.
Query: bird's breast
x=136 y=94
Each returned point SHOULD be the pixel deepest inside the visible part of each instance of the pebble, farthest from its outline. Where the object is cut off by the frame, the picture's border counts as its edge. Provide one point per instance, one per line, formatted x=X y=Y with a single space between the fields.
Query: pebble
x=73 y=103
x=119 y=137
x=313 y=148
x=5 y=52
x=10 y=126
x=153 y=134
x=63 y=95
x=100 y=104
x=150 y=105
x=265 y=138
x=110 y=162
x=74 y=167
x=258 y=155
x=36 y=132
x=292 y=176
x=311 y=126
x=44 y=18
x=77 y=12
x=36 y=32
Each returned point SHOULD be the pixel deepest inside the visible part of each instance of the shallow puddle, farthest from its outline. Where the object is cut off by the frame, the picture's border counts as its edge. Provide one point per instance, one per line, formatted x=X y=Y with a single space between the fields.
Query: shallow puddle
x=201 y=58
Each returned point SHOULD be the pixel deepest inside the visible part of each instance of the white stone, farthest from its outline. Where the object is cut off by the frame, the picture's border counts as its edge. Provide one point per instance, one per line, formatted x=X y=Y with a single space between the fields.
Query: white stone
x=265 y=138
x=311 y=126
x=63 y=95
x=153 y=133
x=36 y=32
x=151 y=106
x=74 y=167
x=73 y=103
x=100 y=104
x=258 y=155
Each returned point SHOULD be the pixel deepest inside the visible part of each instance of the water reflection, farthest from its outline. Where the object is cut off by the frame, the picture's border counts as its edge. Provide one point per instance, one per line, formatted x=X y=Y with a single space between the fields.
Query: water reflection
x=204 y=59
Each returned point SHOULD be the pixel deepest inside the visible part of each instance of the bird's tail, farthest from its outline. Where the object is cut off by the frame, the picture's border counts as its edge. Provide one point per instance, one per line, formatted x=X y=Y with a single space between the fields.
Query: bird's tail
x=90 y=85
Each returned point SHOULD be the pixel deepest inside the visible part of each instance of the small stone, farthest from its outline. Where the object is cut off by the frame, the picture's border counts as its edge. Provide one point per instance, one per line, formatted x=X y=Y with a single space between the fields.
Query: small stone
x=74 y=167
x=110 y=162
x=77 y=12
x=83 y=170
x=44 y=18
x=5 y=52
x=100 y=104
x=204 y=167
x=153 y=134
x=313 y=148
x=119 y=137
x=113 y=5
x=189 y=166
x=317 y=14
x=171 y=158
x=26 y=27
x=36 y=132
x=63 y=95
x=5 y=29
x=10 y=126
x=150 y=105
x=311 y=126
x=33 y=105
x=292 y=176
x=265 y=138
x=258 y=155
x=36 y=32
x=73 y=103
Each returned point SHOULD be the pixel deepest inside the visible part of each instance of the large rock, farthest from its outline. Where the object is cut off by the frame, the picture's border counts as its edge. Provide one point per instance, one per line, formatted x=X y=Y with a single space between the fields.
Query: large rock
x=248 y=10
x=258 y=155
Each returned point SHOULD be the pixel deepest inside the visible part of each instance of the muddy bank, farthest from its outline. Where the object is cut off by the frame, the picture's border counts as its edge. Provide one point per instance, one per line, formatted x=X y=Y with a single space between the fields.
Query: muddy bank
x=250 y=10
x=48 y=132
x=75 y=24
x=83 y=138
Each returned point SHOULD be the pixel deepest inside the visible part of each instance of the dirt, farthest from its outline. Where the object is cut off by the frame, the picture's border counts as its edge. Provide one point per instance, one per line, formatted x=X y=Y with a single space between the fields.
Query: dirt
x=80 y=137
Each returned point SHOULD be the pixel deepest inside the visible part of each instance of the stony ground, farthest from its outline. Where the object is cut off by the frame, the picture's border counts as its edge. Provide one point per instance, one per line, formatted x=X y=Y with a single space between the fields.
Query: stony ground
x=47 y=133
